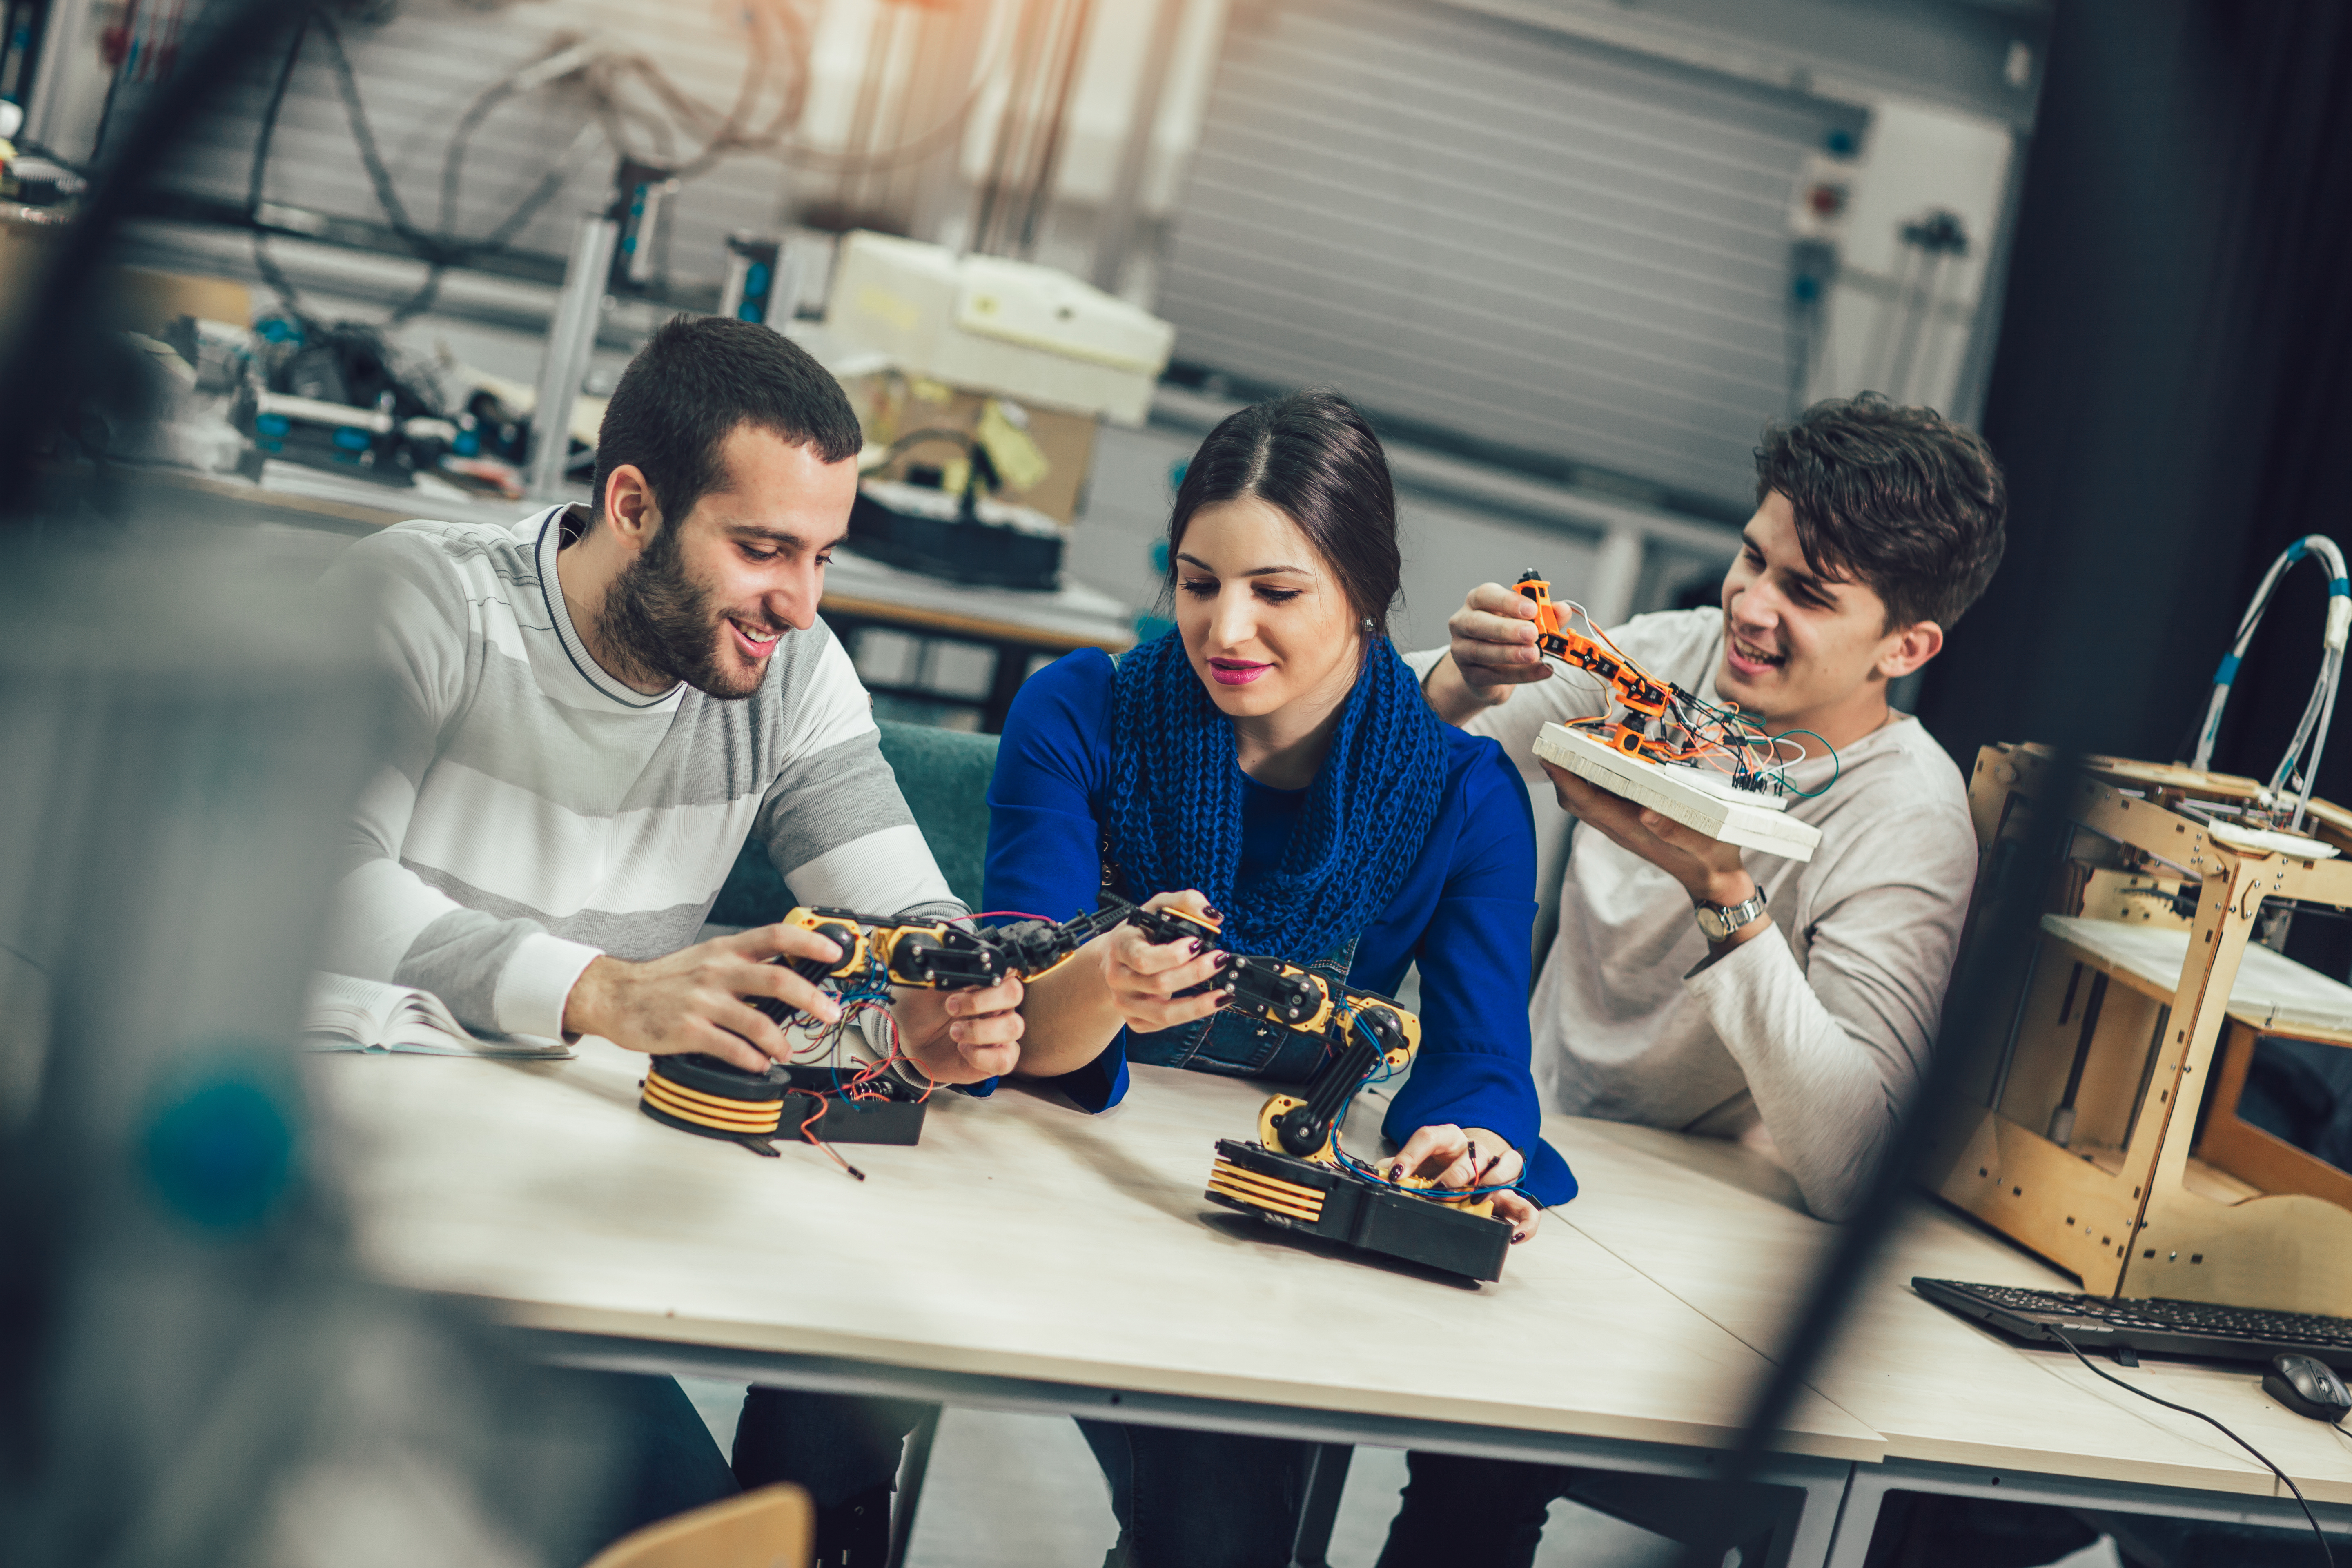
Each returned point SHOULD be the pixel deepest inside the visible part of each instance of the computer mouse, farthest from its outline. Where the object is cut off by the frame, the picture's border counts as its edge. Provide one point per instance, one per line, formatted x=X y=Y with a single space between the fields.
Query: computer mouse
x=2308 y=1386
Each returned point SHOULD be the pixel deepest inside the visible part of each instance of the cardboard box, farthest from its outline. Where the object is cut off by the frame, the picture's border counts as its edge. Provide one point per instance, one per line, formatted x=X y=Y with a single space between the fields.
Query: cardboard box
x=1049 y=449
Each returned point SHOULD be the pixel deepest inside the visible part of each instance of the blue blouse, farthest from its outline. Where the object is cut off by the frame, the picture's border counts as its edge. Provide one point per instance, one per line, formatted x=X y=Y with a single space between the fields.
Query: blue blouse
x=1465 y=912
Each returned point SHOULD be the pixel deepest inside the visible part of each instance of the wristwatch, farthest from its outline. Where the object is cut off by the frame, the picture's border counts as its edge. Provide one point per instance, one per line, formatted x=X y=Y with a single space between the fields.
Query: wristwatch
x=1718 y=922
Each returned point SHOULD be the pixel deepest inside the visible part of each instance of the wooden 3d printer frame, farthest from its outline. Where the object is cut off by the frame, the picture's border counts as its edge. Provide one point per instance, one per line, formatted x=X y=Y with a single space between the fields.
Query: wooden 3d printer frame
x=2099 y=1128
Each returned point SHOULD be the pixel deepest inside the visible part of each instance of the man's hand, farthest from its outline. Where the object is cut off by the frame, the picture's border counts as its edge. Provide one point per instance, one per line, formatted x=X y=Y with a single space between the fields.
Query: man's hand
x=1461 y=1158
x=1144 y=976
x=960 y=1037
x=693 y=999
x=1490 y=647
x=1709 y=870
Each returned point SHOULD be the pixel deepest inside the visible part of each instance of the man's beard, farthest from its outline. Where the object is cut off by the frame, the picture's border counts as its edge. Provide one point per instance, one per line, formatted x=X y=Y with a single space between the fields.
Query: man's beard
x=663 y=626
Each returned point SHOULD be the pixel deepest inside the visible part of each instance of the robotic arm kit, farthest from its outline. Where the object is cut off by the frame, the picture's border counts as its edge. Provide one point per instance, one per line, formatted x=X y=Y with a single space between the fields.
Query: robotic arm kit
x=1706 y=767
x=1295 y=1174
x=878 y=1099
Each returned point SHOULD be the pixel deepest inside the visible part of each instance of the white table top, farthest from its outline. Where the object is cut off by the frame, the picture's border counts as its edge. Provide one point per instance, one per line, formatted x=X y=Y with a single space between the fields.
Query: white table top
x=1721 y=1227
x=1021 y=1238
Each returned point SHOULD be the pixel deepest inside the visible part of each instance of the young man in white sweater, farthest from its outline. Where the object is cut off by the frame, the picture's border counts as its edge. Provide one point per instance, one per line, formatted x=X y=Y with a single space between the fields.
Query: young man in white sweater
x=1698 y=986
x=594 y=710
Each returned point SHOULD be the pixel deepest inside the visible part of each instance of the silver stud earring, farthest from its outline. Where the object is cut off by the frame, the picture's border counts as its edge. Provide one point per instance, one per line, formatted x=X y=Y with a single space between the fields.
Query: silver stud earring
x=1367 y=623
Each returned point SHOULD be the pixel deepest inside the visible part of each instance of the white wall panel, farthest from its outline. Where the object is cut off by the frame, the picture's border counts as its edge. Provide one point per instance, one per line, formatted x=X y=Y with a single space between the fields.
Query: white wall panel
x=1536 y=241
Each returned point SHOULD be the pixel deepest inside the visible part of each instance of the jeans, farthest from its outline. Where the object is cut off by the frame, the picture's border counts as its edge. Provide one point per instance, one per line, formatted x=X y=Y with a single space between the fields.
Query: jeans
x=664 y=1461
x=1472 y=1513
x=837 y=1445
x=1200 y=1499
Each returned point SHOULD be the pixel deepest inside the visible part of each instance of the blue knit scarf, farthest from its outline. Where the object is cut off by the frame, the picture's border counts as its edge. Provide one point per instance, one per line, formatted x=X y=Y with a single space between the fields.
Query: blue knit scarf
x=1175 y=805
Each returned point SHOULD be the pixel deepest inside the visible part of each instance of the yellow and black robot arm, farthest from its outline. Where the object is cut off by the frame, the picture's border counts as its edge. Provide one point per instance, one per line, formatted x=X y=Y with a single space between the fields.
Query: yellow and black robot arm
x=1274 y=989
x=1368 y=1033
x=931 y=955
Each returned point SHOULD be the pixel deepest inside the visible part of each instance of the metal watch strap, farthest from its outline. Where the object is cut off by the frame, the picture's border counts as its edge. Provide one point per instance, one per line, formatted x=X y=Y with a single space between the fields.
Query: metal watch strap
x=1718 y=922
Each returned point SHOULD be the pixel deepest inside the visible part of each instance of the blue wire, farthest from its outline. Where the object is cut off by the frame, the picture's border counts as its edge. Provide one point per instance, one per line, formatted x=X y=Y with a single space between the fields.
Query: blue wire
x=1387 y=1072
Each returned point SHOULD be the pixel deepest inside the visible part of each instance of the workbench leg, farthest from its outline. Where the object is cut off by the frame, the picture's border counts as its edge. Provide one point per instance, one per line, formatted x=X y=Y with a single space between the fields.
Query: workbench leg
x=1866 y=1494
x=1806 y=1540
x=1327 y=1479
x=1012 y=669
x=909 y=1496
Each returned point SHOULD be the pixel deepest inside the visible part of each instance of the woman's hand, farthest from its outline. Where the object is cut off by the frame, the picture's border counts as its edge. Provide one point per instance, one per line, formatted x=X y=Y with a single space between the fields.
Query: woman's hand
x=1144 y=976
x=1463 y=1158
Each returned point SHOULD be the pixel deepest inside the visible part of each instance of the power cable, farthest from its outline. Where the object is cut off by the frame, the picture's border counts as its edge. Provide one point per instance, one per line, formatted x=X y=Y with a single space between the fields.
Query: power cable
x=257 y=175
x=2324 y=1550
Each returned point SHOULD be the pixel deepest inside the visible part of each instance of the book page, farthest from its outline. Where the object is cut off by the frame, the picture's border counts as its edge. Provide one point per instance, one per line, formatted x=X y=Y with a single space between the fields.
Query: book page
x=344 y=1012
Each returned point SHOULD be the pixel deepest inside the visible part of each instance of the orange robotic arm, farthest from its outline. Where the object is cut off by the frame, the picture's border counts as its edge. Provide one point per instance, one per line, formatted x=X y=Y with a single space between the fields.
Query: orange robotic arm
x=1632 y=686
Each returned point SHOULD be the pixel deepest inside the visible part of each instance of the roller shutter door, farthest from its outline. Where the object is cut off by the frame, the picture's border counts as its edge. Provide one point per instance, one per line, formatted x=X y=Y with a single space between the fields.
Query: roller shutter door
x=1487 y=228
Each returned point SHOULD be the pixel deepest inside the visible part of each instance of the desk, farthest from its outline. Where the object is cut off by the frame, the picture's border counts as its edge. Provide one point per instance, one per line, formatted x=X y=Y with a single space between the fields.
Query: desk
x=1026 y=1256
x=1015 y=625
x=1960 y=1408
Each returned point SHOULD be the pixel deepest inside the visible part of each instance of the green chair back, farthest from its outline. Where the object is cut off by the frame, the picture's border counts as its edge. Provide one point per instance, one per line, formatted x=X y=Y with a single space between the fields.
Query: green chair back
x=943 y=774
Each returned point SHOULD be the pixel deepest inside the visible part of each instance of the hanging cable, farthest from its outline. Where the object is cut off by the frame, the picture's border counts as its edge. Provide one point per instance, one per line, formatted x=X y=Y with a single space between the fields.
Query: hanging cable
x=2325 y=1552
x=2302 y=759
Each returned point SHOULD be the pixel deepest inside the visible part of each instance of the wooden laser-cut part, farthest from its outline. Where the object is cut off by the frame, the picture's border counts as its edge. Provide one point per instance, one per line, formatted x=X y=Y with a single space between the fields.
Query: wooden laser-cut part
x=2080 y=1136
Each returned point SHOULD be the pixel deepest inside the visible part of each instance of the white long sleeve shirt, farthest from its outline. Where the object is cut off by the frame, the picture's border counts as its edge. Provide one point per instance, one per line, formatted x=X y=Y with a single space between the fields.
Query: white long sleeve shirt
x=1816 y=1028
x=534 y=812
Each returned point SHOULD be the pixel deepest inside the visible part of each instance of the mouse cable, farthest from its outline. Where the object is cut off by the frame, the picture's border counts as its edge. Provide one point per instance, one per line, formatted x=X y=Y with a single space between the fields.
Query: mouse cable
x=2324 y=1550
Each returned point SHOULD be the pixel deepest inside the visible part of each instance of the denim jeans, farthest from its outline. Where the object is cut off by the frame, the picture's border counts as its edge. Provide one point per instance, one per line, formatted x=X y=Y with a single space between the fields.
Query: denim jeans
x=664 y=1462
x=1200 y=1499
x=837 y=1445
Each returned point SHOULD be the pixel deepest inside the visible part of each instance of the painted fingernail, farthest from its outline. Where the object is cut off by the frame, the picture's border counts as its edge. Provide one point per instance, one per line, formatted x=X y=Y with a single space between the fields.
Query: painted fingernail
x=1224 y=961
x=1396 y=1173
x=1214 y=913
x=1192 y=945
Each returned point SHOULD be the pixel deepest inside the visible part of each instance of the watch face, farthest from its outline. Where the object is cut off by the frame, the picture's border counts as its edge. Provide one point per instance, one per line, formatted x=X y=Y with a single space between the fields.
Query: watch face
x=1710 y=920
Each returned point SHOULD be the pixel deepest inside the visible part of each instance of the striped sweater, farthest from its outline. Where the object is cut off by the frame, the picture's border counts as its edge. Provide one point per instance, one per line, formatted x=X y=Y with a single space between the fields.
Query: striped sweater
x=534 y=812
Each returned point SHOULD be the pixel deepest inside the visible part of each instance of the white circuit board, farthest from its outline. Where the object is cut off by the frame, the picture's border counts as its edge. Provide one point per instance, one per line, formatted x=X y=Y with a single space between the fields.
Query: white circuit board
x=1691 y=795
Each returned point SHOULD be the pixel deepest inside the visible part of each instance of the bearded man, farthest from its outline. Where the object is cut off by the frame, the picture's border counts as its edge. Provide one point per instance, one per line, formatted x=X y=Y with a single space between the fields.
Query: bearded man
x=594 y=710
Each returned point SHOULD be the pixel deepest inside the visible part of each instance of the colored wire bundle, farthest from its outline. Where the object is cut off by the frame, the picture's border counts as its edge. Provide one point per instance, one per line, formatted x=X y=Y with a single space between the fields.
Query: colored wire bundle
x=1387 y=1073
x=1721 y=739
x=867 y=995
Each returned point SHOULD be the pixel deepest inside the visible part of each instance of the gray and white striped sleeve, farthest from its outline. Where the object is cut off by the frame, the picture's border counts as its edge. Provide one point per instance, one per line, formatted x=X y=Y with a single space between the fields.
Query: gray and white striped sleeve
x=501 y=976
x=833 y=824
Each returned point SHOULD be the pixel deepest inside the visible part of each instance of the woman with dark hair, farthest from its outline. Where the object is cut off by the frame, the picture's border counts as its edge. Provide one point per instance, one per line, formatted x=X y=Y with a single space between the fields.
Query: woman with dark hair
x=1271 y=765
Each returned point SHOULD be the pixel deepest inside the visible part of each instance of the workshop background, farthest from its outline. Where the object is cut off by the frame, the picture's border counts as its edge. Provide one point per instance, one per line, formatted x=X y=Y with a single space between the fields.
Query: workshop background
x=1570 y=255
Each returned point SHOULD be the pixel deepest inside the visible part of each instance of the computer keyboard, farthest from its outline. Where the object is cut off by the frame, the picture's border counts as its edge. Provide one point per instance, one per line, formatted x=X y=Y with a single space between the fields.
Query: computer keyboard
x=2153 y=1326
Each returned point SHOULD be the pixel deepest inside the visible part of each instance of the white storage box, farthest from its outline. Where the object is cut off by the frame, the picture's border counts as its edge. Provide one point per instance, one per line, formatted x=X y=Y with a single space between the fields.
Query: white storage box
x=990 y=324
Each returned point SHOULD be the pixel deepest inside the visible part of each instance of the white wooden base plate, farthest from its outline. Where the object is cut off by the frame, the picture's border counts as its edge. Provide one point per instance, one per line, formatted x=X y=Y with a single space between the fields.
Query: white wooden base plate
x=1691 y=795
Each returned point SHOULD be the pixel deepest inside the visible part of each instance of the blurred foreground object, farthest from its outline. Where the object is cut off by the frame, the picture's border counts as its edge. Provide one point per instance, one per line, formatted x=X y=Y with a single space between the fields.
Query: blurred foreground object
x=194 y=1373
x=771 y=1528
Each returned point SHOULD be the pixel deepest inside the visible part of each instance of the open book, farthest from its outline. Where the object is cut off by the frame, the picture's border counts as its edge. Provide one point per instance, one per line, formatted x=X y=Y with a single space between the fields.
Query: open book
x=341 y=1014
